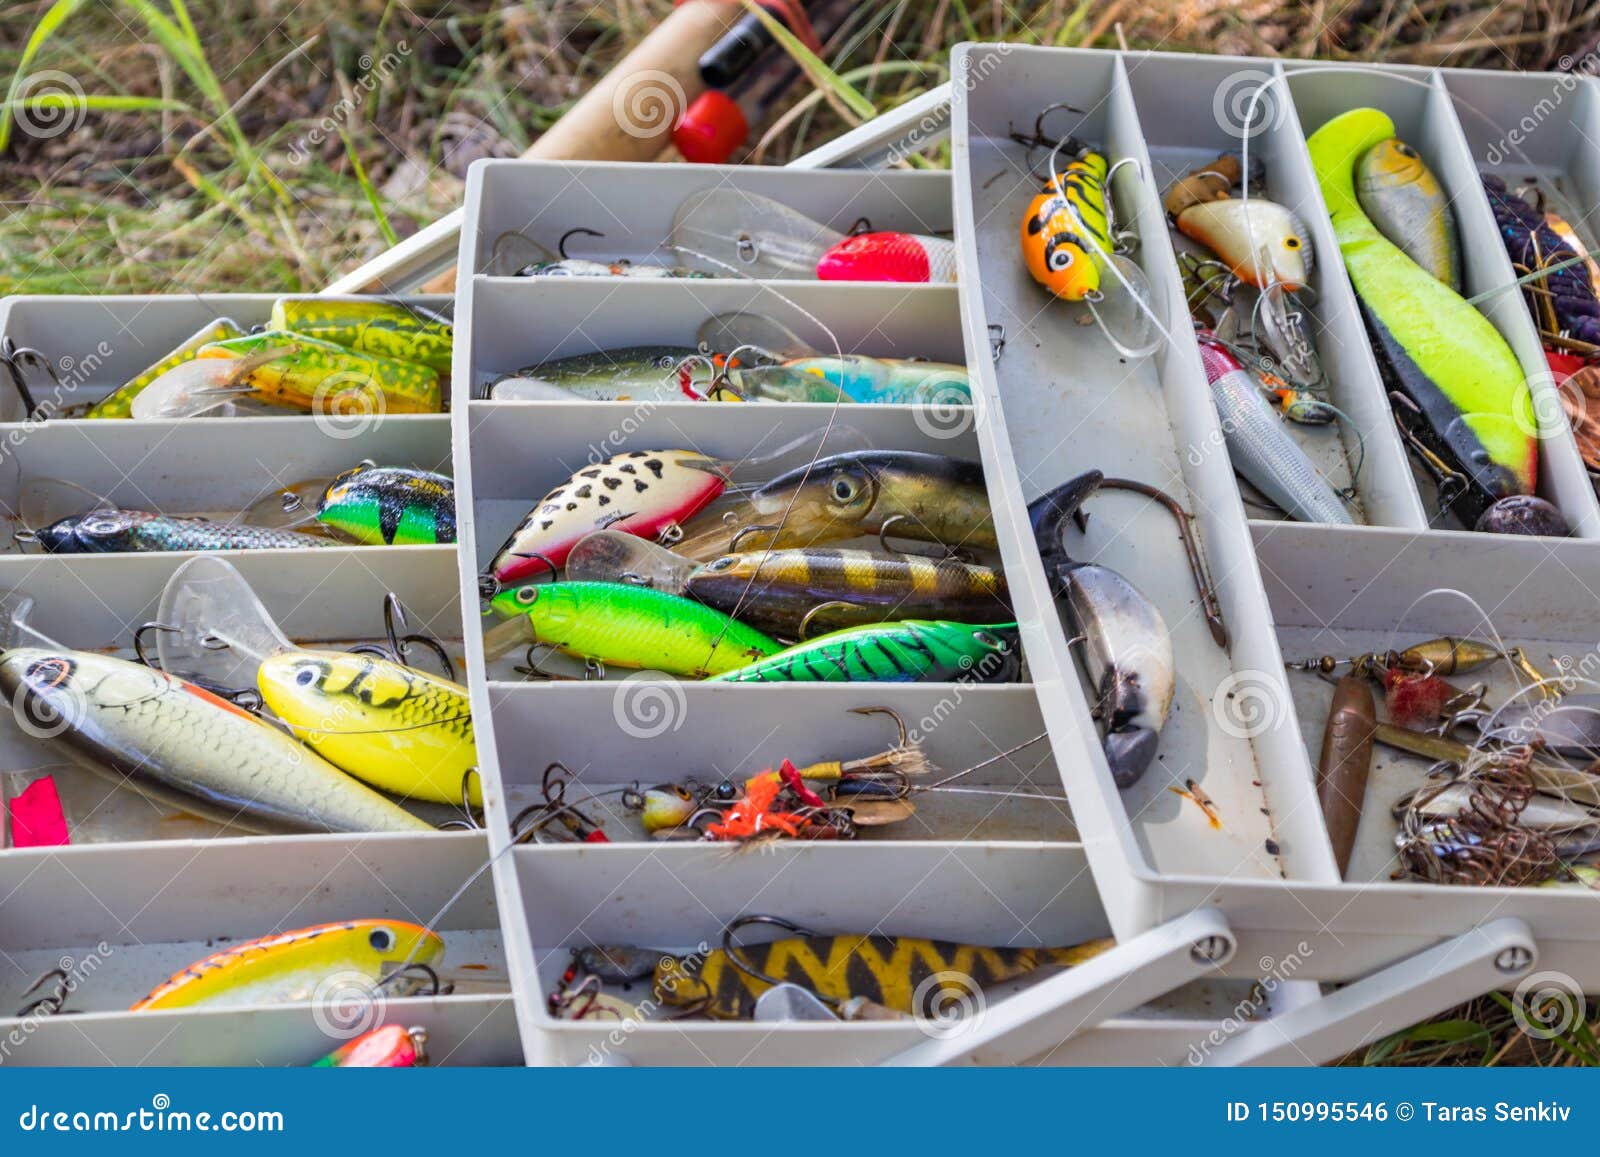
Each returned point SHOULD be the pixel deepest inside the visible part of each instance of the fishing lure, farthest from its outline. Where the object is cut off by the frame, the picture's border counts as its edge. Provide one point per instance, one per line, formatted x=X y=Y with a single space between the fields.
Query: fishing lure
x=1066 y=228
x=747 y=235
x=1260 y=241
x=288 y=967
x=119 y=403
x=787 y=592
x=111 y=530
x=1467 y=386
x=385 y=328
x=185 y=747
x=1565 y=296
x=389 y=1047
x=855 y=378
x=1261 y=449
x=892 y=971
x=912 y=651
x=632 y=373
x=390 y=506
x=638 y=491
x=1346 y=763
x=583 y=267
x=616 y=624
x=921 y=496
x=1400 y=195
x=1446 y=655
x=1127 y=650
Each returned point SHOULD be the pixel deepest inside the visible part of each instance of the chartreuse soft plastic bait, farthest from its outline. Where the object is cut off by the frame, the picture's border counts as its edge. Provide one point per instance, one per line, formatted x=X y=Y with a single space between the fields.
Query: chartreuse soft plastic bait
x=119 y=403
x=1444 y=354
x=377 y=327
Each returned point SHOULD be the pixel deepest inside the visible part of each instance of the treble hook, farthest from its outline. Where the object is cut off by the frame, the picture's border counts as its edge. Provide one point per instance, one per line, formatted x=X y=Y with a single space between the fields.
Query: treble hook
x=891 y=713
x=805 y=622
x=733 y=543
x=399 y=646
x=473 y=821
x=489 y=586
x=561 y=245
x=1209 y=604
x=731 y=951
x=138 y=641
x=15 y=358
x=413 y=971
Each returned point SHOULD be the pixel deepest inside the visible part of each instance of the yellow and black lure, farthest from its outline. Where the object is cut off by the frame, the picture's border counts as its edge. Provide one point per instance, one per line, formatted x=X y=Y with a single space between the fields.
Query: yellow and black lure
x=1066 y=232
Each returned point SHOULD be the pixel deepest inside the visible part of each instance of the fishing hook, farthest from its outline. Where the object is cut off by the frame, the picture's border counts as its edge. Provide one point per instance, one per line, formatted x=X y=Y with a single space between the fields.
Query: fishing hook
x=473 y=822
x=412 y=972
x=805 y=623
x=731 y=951
x=883 y=541
x=52 y=1002
x=15 y=358
x=138 y=641
x=997 y=341
x=733 y=543
x=891 y=713
x=1209 y=604
x=561 y=245
x=531 y=668
x=394 y=621
x=860 y=225
x=489 y=586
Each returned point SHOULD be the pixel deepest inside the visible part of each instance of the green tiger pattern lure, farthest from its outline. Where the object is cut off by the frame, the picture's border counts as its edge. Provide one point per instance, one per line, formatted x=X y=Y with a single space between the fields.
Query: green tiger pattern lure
x=1066 y=230
x=390 y=506
x=385 y=328
x=913 y=651
x=119 y=403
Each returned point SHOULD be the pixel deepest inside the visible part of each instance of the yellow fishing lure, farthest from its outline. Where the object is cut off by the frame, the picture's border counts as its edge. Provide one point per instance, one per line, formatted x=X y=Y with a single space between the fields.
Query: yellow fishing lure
x=1066 y=229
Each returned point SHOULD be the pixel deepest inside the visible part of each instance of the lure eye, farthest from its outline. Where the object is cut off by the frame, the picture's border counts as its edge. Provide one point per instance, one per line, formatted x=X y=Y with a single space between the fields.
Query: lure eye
x=1291 y=242
x=724 y=563
x=988 y=640
x=305 y=677
x=1060 y=259
x=381 y=939
x=527 y=596
x=844 y=489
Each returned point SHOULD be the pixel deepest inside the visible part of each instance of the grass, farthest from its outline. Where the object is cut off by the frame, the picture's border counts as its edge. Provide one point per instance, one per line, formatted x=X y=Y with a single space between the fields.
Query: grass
x=269 y=145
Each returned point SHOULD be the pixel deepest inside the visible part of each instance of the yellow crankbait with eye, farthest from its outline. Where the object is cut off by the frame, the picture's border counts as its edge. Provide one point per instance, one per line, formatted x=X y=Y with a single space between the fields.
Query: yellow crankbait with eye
x=396 y=728
x=1066 y=231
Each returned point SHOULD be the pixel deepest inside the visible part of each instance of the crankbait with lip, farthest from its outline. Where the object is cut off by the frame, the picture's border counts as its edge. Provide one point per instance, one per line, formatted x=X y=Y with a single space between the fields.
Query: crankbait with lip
x=631 y=373
x=1467 y=386
x=915 y=495
x=185 y=747
x=912 y=651
x=290 y=967
x=892 y=971
x=1263 y=243
x=373 y=326
x=390 y=506
x=829 y=589
x=856 y=378
x=109 y=531
x=1262 y=450
x=389 y=1047
x=620 y=625
x=119 y=403
x=326 y=378
x=1067 y=229
x=637 y=491
x=1127 y=651
x=739 y=234
x=1400 y=195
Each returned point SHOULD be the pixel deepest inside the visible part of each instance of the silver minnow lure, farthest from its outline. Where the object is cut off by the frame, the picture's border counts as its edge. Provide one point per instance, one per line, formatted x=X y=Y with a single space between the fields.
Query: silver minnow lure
x=1261 y=449
x=1127 y=650
x=182 y=746
x=108 y=531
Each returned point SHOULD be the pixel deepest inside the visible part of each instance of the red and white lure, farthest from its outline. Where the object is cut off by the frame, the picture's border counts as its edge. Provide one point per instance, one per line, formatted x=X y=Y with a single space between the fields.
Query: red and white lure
x=736 y=234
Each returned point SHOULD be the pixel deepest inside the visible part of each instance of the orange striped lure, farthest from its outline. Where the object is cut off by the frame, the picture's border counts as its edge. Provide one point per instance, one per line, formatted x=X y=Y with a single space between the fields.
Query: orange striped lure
x=323 y=962
x=1067 y=229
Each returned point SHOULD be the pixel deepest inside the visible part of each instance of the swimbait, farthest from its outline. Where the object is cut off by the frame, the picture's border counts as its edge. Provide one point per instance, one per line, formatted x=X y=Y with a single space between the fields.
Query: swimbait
x=856 y=378
x=1261 y=449
x=642 y=373
x=638 y=491
x=893 y=971
x=324 y=377
x=184 y=747
x=1532 y=244
x=119 y=403
x=1442 y=353
x=1346 y=762
x=385 y=328
x=390 y=506
x=831 y=589
x=1127 y=649
x=389 y=1047
x=1398 y=192
x=620 y=625
x=912 y=651
x=1263 y=243
x=289 y=967
x=1066 y=230
x=111 y=531
x=394 y=727
x=927 y=497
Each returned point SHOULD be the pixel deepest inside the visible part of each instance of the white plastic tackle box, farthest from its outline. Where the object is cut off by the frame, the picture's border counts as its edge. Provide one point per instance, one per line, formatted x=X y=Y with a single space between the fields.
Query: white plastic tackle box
x=1201 y=913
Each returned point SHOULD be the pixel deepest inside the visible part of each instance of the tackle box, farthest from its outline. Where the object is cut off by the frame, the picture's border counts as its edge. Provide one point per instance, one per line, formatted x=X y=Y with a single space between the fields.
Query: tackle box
x=1218 y=927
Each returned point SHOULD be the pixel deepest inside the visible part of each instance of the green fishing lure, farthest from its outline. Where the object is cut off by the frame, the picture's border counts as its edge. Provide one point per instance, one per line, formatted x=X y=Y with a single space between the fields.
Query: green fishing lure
x=913 y=651
x=390 y=506
x=384 y=328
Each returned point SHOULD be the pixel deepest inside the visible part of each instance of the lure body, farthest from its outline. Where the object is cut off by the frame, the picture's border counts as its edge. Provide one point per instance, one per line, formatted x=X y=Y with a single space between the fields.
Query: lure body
x=621 y=625
x=1346 y=762
x=326 y=378
x=119 y=403
x=640 y=492
x=1127 y=648
x=1281 y=327
x=912 y=257
x=776 y=590
x=288 y=967
x=632 y=373
x=1444 y=354
x=1262 y=242
x=929 y=497
x=389 y=1047
x=184 y=747
x=390 y=506
x=584 y=267
x=1400 y=195
x=1531 y=242
x=384 y=328
x=855 y=378
x=1066 y=231
x=912 y=651
x=138 y=531
x=394 y=727
x=893 y=971
x=1261 y=449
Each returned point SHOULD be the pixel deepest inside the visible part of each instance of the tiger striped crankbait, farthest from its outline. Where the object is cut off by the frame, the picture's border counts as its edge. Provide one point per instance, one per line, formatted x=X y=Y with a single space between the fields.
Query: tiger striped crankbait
x=914 y=651
x=292 y=967
x=390 y=506
x=1066 y=232
x=905 y=974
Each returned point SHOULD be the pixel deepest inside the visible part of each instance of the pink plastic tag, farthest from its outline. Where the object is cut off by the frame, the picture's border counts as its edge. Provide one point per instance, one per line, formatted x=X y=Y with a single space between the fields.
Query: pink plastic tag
x=37 y=820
